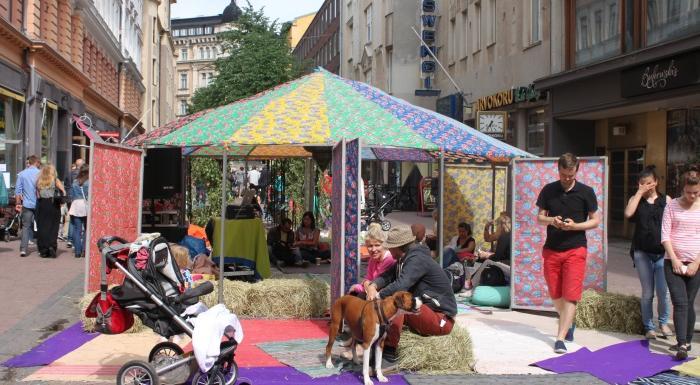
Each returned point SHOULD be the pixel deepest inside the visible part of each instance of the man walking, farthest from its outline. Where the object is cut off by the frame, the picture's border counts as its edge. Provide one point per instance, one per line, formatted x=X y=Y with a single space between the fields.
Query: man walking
x=254 y=177
x=568 y=208
x=25 y=195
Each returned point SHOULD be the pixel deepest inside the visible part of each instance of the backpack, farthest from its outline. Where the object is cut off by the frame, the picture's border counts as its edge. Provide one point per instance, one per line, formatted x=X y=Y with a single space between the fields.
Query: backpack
x=493 y=276
x=456 y=275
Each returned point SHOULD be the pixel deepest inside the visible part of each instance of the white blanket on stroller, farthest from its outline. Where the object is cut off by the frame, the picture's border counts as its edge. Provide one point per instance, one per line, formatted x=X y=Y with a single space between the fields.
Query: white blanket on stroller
x=209 y=327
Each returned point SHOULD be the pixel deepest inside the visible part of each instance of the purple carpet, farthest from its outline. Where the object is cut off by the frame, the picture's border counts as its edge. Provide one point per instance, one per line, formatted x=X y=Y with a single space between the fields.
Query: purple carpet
x=615 y=364
x=286 y=375
x=53 y=348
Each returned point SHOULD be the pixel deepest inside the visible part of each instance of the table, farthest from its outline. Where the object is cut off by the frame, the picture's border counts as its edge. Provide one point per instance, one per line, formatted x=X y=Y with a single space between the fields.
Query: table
x=244 y=239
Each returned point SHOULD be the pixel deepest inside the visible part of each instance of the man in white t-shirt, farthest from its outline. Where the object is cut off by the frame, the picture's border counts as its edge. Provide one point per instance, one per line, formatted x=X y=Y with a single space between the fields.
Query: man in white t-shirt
x=254 y=176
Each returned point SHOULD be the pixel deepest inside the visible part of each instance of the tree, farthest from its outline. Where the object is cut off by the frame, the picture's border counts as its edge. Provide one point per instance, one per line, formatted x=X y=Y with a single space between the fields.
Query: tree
x=259 y=58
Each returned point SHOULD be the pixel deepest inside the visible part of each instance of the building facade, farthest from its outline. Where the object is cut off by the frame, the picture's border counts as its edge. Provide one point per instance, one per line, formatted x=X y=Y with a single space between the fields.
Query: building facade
x=298 y=28
x=197 y=46
x=629 y=89
x=484 y=46
x=60 y=62
x=320 y=43
x=157 y=63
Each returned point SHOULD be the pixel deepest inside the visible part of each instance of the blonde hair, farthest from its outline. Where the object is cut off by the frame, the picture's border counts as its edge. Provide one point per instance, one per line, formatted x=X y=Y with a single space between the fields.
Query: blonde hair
x=374 y=231
x=505 y=222
x=47 y=177
x=181 y=255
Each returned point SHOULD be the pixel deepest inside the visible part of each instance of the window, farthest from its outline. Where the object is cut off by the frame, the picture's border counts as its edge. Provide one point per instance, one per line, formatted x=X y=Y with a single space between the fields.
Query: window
x=198 y=30
x=476 y=28
x=491 y=24
x=208 y=30
x=155 y=31
x=191 y=31
x=48 y=118
x=176 y=32
x=203 y=80
x=452 y=42
x=368 y=19
x=671 y=19
x=534 y=21
x=10 y=131
x=183 y=80
x=154 y=73
x=535 y=132
x=597 y=30
x=208 y=50
x=183 y=107
x=183 y=53
x=201 y=52
x=154 y=113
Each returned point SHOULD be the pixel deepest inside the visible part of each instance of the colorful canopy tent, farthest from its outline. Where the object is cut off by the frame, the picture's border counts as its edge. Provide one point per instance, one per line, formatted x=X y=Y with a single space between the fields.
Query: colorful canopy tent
x=321 y=110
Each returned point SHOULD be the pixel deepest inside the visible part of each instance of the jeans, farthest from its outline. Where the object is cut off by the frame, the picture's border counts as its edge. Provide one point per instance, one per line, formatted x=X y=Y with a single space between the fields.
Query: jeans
x=449 y=256
x=27 y=228
x=78 y=232
x=683 y=290
x=651 y=276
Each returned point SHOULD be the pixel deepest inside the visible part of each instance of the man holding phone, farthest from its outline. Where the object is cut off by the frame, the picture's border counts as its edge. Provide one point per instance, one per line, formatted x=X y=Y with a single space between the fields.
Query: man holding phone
x=568 y=208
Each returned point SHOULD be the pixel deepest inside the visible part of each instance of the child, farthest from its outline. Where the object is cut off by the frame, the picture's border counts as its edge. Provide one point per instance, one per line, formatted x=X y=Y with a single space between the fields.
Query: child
x=182 y=257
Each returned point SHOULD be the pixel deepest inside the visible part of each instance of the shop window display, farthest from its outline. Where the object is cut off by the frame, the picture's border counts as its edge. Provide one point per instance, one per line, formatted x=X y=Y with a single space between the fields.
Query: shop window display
x=683 y=140
x=10 y=139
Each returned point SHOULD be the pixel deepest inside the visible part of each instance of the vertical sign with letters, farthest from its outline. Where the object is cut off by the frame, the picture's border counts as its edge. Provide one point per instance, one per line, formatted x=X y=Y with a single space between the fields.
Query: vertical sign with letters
x=428 y=19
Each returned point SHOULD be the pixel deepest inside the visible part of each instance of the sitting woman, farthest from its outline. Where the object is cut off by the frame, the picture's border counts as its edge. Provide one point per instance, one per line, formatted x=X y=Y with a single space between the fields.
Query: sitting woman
x=307 y=236
x=460 y=247
x=380 y=259
x=500 y=235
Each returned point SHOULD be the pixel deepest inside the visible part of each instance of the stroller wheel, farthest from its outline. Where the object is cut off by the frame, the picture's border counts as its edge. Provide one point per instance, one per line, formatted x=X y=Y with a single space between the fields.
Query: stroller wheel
x=6 y=237
x=165 y=349
x=137 y=373
x=230 y=372
x=386 y=225
x=203 y=378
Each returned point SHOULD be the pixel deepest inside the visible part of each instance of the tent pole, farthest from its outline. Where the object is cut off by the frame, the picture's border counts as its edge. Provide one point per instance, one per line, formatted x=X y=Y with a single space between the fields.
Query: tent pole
x=222 y=226
x=493 y=195
x=441 y=189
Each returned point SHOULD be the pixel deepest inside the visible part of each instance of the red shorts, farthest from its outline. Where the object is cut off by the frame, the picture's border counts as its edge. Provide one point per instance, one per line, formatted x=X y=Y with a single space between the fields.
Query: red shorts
x=564 y=272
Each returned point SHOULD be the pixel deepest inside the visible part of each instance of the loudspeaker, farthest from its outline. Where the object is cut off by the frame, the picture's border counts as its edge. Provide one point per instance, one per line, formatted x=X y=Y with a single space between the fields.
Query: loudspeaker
x=162 y=175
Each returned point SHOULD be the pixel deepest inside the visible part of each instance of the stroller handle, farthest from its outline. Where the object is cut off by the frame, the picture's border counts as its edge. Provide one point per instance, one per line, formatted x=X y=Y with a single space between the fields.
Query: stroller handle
x=106 y=241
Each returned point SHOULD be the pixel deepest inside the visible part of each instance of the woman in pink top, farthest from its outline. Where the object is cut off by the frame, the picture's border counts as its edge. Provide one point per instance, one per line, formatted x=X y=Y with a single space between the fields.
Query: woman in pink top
x=380 y=259
x=680 y=236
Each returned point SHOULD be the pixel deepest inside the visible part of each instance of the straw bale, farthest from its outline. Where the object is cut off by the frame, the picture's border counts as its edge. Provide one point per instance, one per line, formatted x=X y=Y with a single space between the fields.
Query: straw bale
x=437 y=354
x=235 y=294
x=609 y=312
x=287 y=298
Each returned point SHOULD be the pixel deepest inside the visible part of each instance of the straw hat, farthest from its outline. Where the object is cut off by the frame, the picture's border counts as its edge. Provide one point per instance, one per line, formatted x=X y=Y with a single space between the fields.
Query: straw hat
x=399 y=236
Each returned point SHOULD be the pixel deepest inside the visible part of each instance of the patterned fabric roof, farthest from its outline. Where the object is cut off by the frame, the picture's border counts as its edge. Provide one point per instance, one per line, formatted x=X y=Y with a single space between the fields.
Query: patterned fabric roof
x=321 y=109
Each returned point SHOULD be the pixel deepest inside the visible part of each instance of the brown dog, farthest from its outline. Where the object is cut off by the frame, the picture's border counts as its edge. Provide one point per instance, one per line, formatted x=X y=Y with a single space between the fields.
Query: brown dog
x=367 y=321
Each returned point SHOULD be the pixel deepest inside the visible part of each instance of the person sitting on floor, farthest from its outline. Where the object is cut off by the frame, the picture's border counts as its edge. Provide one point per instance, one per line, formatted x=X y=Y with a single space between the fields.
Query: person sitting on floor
x=380 y=259
x=307 y=240
x=415 y=271
x=461 y=246
x=279 y=245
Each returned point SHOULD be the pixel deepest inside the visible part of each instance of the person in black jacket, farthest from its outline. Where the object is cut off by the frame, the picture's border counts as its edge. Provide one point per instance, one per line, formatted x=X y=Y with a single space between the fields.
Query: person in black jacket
x=279 y=243
x=415 y=271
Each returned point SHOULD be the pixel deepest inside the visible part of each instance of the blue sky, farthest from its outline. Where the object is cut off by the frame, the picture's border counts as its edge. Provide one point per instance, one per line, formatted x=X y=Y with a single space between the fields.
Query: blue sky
x=284 y=10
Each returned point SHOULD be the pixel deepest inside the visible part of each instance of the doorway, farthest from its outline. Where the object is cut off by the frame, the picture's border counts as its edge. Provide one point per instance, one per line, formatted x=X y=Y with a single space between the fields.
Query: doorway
x=625 y=166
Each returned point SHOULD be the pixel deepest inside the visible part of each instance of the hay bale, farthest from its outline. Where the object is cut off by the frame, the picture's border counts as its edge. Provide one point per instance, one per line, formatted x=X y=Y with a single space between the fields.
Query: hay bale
x=287 y=298
x=235 y=294
x=450 y=354
x=609 y=312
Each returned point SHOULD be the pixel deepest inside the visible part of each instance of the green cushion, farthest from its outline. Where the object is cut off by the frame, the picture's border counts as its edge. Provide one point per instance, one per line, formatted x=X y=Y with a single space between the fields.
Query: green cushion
x=498 y=296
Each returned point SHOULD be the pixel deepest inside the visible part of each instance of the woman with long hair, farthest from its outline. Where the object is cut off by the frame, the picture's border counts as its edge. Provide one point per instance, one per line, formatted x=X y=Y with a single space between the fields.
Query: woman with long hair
x=79 y=209
x=48 y=211
x=679 y=236
x=308 y=239
x=646 y=209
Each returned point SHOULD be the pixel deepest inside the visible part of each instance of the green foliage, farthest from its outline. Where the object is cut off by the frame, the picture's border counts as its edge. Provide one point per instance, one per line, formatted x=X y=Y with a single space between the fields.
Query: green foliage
x=206 y=172
x=259 y=58
x=294 y=186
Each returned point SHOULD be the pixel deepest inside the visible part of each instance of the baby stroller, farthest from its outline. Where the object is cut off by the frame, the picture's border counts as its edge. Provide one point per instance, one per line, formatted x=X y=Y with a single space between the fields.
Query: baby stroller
x=376 y=213
x=11 y=227
x=151 y=290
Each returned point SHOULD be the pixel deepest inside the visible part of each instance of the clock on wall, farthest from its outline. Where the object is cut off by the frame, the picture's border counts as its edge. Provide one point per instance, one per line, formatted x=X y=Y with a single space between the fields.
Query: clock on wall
x=492 y=123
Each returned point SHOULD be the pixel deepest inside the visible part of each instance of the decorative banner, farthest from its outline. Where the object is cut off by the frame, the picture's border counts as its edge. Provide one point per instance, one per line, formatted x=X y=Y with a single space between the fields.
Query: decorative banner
x=351 y=256
x=468 y=198
x=528 y=287
x=337 y=219
x=115 y=203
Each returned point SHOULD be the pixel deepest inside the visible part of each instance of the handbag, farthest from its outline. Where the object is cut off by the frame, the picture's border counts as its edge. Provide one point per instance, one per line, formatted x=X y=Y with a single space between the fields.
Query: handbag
x=78 y=208
x=59 y=197
x=110 y=317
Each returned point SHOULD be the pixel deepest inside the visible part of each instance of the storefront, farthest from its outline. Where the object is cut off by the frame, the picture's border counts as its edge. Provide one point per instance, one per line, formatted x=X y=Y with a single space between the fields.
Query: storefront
x=12 y=101
x=639 y=110
x=518 y=116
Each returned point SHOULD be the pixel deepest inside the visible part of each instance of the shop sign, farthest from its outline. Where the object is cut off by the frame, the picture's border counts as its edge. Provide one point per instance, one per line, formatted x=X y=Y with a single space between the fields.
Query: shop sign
x=428 y=18
x=452 y=106
x=504 y=98
x=678 y=71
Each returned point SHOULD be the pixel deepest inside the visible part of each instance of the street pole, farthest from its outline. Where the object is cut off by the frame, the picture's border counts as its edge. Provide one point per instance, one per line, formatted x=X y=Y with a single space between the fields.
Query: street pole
x=441 y=189
x=222 y=225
